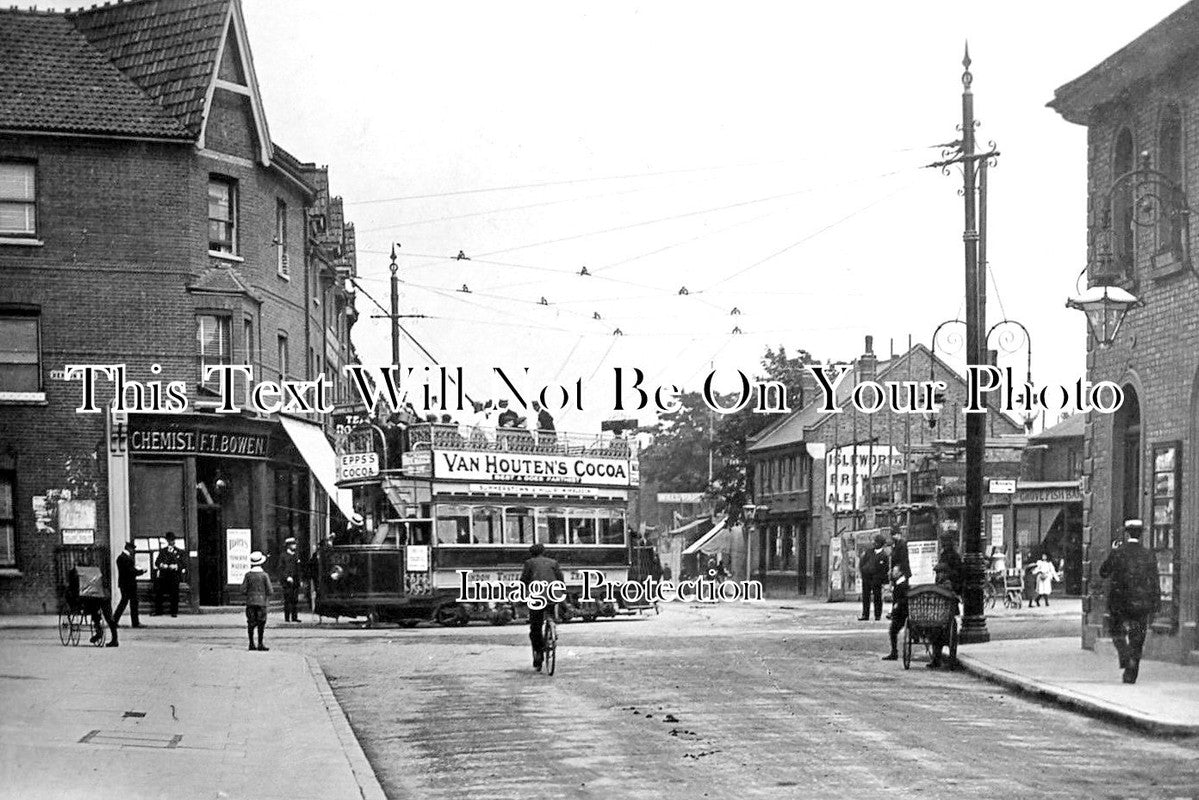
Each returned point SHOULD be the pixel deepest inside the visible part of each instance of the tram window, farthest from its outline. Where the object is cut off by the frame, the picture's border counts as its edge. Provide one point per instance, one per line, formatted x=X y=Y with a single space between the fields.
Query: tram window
x=611 y=529
x=555 y=526
x=485 y=525
x=453 y=525
x=518 y=525
x=582 y=530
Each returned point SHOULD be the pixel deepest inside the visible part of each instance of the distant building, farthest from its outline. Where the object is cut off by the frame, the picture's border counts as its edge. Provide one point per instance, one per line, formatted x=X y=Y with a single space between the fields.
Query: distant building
x=809 y=473
x=148 y=218
x=1141 y=110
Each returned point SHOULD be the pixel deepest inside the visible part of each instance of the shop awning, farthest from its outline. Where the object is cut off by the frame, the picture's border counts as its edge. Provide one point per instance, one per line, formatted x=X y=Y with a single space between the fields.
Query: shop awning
x=713 y=541
x=314 y=448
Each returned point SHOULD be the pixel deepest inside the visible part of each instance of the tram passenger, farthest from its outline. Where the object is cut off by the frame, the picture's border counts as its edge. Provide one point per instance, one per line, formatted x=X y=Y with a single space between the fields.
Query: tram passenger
x=539 y=567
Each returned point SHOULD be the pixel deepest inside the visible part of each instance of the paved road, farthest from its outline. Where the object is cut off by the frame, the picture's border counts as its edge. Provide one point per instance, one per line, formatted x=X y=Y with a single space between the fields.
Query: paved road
x=705 y=701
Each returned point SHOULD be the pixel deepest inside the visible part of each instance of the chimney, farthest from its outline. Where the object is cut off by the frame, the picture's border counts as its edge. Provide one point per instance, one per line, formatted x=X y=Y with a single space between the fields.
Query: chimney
x=868 y=362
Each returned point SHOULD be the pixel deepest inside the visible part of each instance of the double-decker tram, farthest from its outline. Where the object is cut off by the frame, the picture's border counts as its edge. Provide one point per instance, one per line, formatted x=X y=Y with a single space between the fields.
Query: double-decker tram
x=440 y=499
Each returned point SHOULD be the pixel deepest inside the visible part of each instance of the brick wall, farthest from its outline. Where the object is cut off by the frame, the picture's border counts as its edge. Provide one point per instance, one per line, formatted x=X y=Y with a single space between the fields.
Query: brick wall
x=1156 y=354
x=124 y=226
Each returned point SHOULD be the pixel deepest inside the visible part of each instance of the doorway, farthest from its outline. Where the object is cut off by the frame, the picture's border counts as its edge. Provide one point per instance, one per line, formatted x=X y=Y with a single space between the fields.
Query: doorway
x=211 y=538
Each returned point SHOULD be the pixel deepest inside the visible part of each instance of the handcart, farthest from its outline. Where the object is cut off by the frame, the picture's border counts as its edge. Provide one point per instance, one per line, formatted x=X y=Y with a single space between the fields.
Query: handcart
x=932 y=615
x=1013 y=594
x=76 y=607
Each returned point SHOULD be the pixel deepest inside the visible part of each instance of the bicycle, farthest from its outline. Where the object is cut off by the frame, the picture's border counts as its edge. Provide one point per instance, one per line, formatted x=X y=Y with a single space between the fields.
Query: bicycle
x=549 y=642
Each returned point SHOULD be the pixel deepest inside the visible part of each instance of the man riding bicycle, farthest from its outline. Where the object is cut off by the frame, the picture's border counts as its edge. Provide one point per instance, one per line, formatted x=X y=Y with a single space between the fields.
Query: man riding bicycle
x=539 y=567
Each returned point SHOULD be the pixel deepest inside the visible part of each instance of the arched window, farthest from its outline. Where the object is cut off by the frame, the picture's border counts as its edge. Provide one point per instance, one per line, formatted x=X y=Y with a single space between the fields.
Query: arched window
x=1169 y=162
x=1123 y=241
x=1126 y=459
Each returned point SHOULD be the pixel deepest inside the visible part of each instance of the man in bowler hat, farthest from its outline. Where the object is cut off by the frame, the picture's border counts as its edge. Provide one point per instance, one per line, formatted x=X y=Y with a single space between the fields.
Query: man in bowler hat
x=127 y=573
x=168 y=568
x=873 y=565
x=1133 y=597
x=292 y=569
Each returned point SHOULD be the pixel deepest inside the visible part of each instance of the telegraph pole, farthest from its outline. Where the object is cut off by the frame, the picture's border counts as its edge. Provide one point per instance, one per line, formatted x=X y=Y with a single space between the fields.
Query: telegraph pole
x=395 y=310
x=974 y=622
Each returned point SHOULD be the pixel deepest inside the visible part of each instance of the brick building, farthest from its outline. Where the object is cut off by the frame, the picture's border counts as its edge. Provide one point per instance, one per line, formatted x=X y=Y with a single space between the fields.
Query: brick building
x=1141 y=110
x=147 y=218
x=809 y=472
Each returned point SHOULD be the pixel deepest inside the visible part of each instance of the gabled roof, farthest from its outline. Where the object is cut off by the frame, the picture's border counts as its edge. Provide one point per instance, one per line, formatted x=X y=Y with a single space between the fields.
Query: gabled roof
x=1072 y=427
x=791 y=430
x=1154 y=52
x=167 y=47
x=52 y=79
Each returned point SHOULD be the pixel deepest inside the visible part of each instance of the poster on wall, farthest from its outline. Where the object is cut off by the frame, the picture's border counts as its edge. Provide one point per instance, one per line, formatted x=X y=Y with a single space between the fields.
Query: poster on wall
x=836 y=586
x=997 y=531
x=237 y=555
x=922 y=557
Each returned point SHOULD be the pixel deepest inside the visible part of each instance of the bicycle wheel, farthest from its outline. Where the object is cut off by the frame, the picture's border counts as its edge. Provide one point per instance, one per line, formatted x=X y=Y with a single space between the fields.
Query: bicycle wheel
x=75 y=619
x=549 y=647
x=907 y=647
x=64 y=626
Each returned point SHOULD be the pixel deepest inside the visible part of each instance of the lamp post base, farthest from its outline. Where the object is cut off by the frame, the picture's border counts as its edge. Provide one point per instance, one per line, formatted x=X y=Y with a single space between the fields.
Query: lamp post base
x=974 y=630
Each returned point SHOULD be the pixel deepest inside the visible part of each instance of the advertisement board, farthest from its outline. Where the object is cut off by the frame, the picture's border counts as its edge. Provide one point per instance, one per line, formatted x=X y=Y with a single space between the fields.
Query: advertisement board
x=465 y=465
x=847 y=470
x=237 y=555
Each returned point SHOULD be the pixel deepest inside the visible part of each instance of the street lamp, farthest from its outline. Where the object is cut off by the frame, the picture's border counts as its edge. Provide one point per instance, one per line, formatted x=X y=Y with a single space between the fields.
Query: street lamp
x=1105 y=307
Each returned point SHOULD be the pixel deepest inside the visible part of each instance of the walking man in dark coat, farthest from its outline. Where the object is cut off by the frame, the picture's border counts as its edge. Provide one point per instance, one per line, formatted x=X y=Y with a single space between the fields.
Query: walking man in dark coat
x=292 y=570
x=1133 y=597
x=873 y=566
x=127 y=573
x=539 y=567
x=169 y=570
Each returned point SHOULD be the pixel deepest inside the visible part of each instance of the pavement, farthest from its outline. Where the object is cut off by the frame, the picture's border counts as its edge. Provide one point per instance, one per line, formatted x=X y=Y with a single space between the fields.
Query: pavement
x=158 y=720
x=1164 y=700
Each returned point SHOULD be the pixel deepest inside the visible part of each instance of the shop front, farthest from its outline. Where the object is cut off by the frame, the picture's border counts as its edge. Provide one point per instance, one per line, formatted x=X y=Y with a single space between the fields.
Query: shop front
x=224 y=486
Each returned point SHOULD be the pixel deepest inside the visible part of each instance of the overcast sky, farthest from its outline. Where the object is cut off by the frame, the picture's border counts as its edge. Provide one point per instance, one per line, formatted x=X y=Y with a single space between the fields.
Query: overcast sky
x=767 y=157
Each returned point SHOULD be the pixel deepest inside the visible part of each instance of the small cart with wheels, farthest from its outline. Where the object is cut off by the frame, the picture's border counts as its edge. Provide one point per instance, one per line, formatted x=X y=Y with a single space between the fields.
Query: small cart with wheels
x=932 y=616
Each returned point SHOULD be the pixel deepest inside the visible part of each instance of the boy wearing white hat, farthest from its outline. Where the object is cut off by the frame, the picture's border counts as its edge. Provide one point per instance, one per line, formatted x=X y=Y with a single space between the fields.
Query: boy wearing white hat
x=257 y=587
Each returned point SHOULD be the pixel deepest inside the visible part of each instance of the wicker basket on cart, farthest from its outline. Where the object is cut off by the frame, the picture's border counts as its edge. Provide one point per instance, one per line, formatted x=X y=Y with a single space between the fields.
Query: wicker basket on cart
x=932 y=610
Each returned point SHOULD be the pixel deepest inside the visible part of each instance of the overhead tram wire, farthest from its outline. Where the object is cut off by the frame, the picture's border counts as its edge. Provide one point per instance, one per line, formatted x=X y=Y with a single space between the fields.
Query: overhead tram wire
x=570 y=181
x=804 y=239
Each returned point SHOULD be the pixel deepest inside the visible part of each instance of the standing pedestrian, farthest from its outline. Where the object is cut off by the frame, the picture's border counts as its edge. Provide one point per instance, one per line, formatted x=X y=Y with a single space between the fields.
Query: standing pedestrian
x=292 y=570
x=257 y=587
x=1045 y=574
x=168 y=568
x=546 y=432
x=899 y=609
x=1133 y=597
x=873 y=567
x=127 y=572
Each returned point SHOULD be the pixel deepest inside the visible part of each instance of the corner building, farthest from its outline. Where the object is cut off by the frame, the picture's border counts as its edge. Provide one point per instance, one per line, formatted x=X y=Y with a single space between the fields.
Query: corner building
x=1141 y=110
x=147 y=218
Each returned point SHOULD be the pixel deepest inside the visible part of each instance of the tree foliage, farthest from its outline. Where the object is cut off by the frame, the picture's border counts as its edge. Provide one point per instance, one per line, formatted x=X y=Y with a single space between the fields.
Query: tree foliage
x=677 y=461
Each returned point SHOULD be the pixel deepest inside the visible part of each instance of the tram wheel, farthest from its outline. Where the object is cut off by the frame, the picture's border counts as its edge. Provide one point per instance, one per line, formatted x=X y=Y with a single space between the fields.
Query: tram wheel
x=409 y=623
x=501 y=616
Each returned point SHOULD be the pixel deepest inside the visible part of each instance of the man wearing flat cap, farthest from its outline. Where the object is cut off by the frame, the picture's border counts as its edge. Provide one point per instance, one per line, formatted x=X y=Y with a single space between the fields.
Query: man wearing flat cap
x=1133 y=596
x=291 y=569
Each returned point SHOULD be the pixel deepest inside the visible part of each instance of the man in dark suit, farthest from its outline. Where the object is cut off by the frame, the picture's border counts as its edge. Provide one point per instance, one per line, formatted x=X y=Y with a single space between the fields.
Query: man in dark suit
x=1133 y=597
x=127 y=573
x=873 y=567
x=292 y=569
x=539 y=567
x=168 y=568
